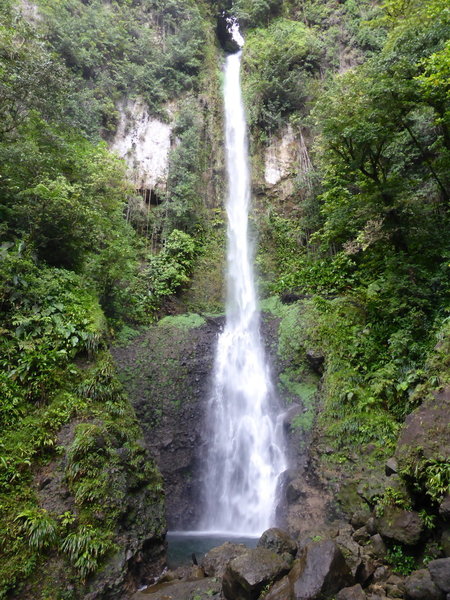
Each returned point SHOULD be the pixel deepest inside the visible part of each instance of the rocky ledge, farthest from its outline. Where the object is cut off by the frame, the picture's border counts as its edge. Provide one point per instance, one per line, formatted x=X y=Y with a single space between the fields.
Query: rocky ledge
x=348 y=566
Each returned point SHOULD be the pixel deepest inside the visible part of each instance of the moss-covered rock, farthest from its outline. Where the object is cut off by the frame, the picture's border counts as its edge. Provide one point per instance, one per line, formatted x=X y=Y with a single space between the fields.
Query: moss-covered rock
x=423 y=447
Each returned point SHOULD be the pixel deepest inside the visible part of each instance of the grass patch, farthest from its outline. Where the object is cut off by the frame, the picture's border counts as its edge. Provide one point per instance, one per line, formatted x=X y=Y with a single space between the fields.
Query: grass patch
x=185 y=321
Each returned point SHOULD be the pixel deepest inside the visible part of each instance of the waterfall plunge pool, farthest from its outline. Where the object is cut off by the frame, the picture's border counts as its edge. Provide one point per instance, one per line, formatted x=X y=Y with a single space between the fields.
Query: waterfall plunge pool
x=182 y=544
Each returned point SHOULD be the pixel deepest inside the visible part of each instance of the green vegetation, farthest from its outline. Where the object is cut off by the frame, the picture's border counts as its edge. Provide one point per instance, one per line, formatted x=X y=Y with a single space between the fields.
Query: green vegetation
x=280 y=62
x=358 y=246
x=401 y=561
x=184 y=321
x=97 y=462
x=286 y=59
x=73 y=270
x=365 y=245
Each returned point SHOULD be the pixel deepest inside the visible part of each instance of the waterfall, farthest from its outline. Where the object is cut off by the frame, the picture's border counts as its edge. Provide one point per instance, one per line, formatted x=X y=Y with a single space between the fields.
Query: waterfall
x=245 y=454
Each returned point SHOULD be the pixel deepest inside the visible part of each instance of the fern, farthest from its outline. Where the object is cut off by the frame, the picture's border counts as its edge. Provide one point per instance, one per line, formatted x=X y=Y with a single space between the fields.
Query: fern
x=40 y=529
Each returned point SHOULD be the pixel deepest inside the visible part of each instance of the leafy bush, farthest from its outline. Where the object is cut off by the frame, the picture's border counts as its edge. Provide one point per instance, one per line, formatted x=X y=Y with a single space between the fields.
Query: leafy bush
x=401 y=562
x=434 y=476
x=86 y=547
x=280 y=63
x=255 y=13
x=39 y=528
x=165 y=273
x=153 y=49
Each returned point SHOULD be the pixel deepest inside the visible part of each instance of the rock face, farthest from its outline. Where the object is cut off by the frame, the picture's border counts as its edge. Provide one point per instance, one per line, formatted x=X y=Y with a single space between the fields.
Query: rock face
x=247 y=575
x=285 y=156
x=166 y=372
x=440 y=573
x=144 y=142
x=321 y=571
x=400 y=525
x=420 y=586
x=425 y=434
x=140 y=525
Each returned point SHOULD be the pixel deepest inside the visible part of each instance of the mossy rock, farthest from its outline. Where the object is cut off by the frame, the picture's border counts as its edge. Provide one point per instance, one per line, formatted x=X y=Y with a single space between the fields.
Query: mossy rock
x=426 y=433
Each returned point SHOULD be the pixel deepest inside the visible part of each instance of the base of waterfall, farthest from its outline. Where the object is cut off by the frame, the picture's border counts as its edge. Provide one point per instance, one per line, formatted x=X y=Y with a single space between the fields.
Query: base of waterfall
x=183 y=544
x=277 y=568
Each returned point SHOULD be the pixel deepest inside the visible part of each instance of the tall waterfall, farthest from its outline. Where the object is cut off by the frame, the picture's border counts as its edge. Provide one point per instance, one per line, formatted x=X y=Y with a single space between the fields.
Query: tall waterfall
x=245 y=455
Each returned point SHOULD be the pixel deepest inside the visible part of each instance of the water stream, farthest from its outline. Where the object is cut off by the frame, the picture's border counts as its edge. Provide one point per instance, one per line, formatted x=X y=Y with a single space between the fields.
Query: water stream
x=246 y=445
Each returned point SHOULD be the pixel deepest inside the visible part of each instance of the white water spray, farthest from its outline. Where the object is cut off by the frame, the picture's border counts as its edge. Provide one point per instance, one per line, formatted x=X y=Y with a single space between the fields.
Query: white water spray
x=245 y=455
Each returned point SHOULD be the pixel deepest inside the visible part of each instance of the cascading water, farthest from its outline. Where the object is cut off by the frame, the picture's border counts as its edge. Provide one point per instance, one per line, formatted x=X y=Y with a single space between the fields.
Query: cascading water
x=245 y=455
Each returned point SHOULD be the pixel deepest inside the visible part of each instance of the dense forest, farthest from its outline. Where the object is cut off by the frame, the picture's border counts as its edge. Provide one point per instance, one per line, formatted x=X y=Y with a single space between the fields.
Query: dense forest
x=358 y=252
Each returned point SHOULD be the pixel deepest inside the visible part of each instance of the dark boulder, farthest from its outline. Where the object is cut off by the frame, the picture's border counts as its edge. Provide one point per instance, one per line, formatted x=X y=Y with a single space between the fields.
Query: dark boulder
x=400 y=525
x=320 y=571
x=350 y=549
x=444 y=508
x=365 y=570
x=351 y=593
x=215 y=561
x=420 y=586
x=278 y=541
x=440 y=573
x=247 y=575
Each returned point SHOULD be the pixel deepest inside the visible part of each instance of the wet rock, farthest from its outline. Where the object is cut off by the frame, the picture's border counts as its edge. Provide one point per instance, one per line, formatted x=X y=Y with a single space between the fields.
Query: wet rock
x=400 y=525
x=321 y=571
x=420 y=586
x=246 y=575
x=278 y=541
x=202 y=589
x=444 y=508
x=391 y=466
x=351 y=593
x=293 y=411
x=293 y=491
x=216 y=560
x=440 y=573
x=352 y=502
x=43 y=482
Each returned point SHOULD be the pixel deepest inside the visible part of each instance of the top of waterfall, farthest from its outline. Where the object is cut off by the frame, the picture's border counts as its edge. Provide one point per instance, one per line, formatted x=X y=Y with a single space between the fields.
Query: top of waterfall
x=233 y=28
